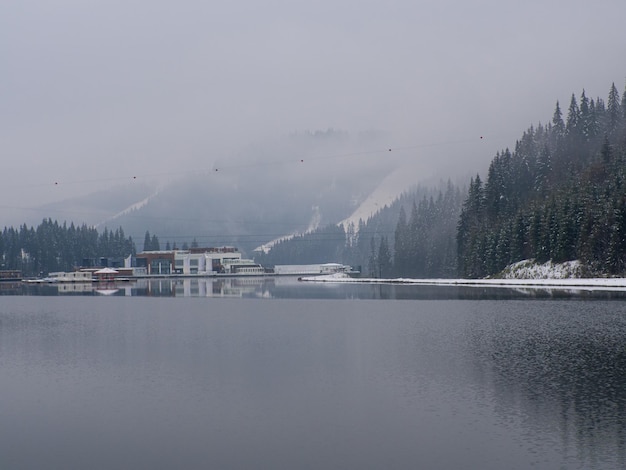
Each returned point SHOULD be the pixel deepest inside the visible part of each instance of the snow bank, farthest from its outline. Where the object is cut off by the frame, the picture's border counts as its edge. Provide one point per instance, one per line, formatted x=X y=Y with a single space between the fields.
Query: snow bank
x=529 y=269
x=569 y=283
x=523 y=274
x=335 y=277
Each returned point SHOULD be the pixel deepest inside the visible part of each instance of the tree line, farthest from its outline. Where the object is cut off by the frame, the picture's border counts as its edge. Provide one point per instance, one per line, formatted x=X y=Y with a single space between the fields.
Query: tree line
x=51 y=246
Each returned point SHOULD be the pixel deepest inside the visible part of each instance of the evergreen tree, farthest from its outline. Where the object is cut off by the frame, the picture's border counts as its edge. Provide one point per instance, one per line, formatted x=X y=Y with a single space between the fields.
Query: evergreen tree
x=154 y=243
x=384 y=259
x=147 y=242
x=593 y=124
x=558 y=126
x=573 y=117
x=544 y=170
x=615 y=113
x=586 y=119
x=624 y=105
x=401 y=251
x=606 y=152
x=373 y=259
x=414 y=259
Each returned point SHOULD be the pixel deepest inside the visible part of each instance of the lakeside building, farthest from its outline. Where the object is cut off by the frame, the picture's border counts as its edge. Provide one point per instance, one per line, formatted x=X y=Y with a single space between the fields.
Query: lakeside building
x=10 y=275
x=312 y=269
x=192 y=262
x=200 y=261
x=76 y=276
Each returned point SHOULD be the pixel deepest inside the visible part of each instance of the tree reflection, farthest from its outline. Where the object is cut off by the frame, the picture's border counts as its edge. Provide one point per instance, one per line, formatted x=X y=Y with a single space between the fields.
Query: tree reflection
x=560 y=363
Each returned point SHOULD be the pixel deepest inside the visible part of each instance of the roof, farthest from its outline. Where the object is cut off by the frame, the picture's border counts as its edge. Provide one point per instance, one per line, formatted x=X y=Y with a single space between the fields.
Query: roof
x=106 y=271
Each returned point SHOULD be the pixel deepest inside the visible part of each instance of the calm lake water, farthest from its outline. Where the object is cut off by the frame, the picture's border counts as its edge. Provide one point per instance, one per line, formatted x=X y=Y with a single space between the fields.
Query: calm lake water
x=268 y=375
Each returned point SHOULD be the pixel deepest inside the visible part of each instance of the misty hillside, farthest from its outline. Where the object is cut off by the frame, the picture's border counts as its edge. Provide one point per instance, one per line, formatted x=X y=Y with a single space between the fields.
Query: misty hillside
x=559 y=195
x=413 y=236
x=265 y=192
x=93 y=209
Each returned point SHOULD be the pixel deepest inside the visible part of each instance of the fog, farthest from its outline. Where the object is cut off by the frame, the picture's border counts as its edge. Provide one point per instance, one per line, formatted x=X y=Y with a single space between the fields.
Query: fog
x=100 y=93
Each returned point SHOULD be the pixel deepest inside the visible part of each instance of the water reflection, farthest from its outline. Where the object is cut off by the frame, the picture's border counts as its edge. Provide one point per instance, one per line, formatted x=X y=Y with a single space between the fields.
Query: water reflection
x=290 y=287
x=135 y=383
x=565 y=368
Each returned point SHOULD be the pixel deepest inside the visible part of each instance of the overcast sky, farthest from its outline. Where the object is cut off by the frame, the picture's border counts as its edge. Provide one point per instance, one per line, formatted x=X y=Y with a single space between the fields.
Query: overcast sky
x=112 y=89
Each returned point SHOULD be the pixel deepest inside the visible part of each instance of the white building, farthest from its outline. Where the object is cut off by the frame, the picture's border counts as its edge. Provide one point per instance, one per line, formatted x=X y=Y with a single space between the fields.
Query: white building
x=310 y=269
x=200 y=261
x=208 y=262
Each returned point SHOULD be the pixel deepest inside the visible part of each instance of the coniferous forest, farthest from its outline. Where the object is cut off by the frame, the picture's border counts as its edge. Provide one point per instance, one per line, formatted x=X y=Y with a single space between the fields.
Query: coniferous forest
x=51 y=247
x=412 y=237
x=559 y=195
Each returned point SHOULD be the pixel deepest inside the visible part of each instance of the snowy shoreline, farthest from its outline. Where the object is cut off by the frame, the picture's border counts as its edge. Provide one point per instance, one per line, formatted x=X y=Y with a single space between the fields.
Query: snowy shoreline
x=522 y=274
x=618 y=284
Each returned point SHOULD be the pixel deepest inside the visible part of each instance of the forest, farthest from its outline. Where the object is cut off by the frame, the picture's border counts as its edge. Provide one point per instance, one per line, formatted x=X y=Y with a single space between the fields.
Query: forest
x=560 y=195
x=390 y=243
x=52 y=247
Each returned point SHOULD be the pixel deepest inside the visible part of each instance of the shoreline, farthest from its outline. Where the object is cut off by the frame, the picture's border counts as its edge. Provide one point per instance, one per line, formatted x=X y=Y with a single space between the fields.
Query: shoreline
x=567 y=283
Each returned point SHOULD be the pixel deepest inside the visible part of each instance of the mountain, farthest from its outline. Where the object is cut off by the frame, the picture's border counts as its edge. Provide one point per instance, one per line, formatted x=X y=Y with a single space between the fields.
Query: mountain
x=93 y=209
x=387 y=242
x=266 y=191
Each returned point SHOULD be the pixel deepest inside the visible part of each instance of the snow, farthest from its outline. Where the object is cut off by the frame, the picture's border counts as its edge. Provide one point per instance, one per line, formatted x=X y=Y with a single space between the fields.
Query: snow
x=133 y=207
x=338 y=277
x=528 y=269
x=265 y=248
x=579 y=283
x=384 y=195
x=524 y=274
x=314 y=223
x=106 y=271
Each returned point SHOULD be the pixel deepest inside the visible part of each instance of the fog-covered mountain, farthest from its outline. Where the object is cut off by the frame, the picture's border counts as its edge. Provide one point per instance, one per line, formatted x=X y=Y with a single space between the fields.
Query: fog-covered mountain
x=93 y=209
x=264 y=192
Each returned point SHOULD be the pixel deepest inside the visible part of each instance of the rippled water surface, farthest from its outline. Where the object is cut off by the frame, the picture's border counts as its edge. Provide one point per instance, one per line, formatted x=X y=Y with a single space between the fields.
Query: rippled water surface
x=312 y=382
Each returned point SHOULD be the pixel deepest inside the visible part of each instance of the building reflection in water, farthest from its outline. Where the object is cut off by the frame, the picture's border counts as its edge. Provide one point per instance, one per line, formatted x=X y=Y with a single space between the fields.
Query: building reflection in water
x=202 y=287
x=290 y=287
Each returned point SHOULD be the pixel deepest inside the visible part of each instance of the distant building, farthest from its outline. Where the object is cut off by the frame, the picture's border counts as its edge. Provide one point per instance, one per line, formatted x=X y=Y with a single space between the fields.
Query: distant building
x=207 y=261
x=10 y=275
x=106 y=274
x=76 y=276
x=311 y=269
x=155 y=262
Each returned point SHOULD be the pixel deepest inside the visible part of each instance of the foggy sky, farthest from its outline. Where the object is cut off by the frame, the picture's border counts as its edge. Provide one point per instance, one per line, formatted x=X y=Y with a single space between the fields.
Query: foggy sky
x=95 y=92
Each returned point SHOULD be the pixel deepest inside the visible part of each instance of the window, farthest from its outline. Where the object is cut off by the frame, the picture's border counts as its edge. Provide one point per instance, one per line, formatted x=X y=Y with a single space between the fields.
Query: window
x=160 y=266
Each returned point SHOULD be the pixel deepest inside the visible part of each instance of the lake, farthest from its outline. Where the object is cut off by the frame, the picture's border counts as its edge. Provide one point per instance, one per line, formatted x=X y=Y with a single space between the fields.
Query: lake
x=256 y=374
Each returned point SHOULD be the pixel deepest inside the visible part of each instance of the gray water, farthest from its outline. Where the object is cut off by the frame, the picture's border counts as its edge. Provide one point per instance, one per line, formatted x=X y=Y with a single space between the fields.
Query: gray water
x=137 y=382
